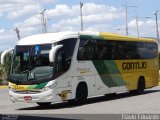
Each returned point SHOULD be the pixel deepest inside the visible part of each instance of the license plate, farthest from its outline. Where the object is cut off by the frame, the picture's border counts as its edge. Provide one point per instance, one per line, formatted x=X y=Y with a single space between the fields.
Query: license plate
x=27 y=98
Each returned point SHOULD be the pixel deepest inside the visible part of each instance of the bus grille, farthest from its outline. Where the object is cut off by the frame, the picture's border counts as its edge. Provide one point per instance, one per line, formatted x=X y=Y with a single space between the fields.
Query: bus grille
x=28 y=92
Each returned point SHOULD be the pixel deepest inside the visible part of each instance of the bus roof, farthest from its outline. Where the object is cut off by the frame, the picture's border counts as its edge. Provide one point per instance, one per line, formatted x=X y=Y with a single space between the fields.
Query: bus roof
x=49 y=38
x=112 y=36
x=46 y=38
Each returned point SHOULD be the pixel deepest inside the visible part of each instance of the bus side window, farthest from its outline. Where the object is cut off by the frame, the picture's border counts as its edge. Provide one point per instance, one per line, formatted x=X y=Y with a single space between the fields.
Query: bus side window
x=132 y=50
x=80 y=53
x=101 y=50
x=152 y=50
x=119 y=51
x=60 y=62
x=86 y=50
x=67 y=52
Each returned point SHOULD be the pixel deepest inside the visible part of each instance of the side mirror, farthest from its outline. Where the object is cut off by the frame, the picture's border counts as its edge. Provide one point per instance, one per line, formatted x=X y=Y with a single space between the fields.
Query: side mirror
x=52 y=53
x=4 y=54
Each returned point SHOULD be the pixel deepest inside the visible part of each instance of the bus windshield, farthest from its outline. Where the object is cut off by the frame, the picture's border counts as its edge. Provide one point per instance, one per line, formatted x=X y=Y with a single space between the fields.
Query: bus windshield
x=30 y=64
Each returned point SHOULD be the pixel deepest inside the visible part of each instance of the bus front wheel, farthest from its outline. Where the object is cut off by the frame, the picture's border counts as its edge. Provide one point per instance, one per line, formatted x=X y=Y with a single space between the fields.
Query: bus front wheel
x=44 y=104
x=81 y=93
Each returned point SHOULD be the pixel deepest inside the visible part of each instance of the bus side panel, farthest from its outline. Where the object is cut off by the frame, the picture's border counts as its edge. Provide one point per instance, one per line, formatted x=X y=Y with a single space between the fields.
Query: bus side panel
x=83 y=71
x=132 y=70
x=108 y=77
x=153 y=72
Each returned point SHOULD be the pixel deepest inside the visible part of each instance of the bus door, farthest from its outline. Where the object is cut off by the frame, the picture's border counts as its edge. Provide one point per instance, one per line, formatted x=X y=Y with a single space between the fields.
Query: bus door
x=93 y=85
x=63 y=88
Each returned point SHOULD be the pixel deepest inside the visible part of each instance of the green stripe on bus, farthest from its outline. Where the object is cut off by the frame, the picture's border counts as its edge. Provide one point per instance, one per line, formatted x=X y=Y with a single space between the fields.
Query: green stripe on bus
x=42 y=85
x=109 y=72
x=37 y=86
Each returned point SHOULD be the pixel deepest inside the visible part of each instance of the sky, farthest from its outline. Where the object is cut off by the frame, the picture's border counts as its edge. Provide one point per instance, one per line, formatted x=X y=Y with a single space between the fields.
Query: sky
x=64 y=15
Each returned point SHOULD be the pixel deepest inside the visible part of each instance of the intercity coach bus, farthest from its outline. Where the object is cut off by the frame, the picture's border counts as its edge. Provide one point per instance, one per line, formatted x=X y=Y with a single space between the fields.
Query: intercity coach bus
x=66 y=66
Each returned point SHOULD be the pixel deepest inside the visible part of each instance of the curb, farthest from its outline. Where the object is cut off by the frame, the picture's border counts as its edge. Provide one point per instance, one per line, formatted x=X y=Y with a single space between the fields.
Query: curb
x=3 y=87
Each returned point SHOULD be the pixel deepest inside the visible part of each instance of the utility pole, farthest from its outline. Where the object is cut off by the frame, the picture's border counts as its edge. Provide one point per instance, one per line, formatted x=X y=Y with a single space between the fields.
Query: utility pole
x=137 y=19
x=137 y=26
x=81 y=5
x=157 y=23
x=126 y=20
x=17 y=32
x=126 y=8
x=44 y=28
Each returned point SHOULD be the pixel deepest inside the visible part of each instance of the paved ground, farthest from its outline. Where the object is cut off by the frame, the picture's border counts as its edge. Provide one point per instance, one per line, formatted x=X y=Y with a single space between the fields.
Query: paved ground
x=149 y=102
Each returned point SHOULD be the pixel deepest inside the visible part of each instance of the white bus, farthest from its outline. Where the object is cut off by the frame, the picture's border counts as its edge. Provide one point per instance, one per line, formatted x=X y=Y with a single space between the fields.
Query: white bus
x=57 y=67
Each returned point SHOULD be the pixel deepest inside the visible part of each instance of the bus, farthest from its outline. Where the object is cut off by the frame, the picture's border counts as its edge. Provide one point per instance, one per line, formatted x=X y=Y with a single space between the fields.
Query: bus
x=73 y=66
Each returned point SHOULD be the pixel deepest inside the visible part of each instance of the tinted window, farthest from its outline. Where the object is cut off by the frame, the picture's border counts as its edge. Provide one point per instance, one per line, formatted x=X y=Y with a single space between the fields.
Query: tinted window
x=68 y=48
x=98 y=49
x=87 y=49
x=64 y=56
x=30 y=64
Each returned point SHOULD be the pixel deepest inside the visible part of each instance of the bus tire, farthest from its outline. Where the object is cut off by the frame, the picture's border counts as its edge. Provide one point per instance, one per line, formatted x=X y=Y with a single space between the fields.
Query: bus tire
x=81 y=93
x=110 y=95
x=141 y=85
x=44 y=104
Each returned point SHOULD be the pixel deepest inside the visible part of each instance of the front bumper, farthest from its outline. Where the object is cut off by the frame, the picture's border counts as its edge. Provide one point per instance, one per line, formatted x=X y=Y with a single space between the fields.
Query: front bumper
x=47 y=96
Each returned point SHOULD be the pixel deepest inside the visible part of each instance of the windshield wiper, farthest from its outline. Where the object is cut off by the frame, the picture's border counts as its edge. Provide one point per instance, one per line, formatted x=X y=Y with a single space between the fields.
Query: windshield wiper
x=31 y=76
x=29 y=62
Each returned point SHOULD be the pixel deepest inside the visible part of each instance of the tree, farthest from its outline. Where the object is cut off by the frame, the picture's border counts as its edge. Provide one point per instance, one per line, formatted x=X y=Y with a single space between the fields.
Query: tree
x=4 y=69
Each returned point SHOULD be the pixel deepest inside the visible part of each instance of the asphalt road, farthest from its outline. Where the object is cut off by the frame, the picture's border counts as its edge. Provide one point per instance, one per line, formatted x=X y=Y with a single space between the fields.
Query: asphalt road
x=124 y=103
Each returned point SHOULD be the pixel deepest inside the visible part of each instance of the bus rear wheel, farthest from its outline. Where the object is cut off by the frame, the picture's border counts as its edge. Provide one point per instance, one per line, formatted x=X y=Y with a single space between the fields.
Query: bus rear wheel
x=44 y=104
x=140 y=86
x=81 y=93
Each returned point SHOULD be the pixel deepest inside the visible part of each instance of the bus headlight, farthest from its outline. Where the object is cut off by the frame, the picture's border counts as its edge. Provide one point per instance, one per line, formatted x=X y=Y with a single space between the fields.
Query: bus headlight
x=48 y=87
x=11 y=89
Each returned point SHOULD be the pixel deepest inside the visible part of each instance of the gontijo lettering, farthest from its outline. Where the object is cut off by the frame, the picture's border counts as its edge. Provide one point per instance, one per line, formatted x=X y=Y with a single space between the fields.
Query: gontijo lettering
x=134 y=65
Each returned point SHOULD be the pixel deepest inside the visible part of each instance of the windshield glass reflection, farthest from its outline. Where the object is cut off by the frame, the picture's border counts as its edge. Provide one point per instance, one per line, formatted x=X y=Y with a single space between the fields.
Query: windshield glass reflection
x=31 y=63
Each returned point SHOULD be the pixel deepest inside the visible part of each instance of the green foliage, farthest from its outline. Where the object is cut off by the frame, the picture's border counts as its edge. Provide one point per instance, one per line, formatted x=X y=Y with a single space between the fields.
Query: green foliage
x=4 y=69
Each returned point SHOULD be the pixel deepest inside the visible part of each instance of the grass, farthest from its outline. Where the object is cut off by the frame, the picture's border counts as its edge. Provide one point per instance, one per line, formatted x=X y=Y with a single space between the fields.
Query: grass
x=3 y=86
